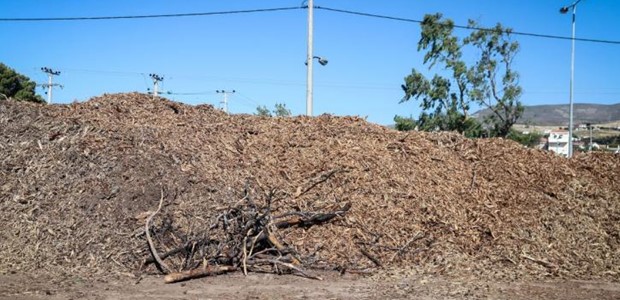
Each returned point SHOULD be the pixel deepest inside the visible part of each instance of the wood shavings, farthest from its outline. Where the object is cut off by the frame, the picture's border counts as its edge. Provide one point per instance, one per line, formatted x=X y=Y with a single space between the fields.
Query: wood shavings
x=74 y=177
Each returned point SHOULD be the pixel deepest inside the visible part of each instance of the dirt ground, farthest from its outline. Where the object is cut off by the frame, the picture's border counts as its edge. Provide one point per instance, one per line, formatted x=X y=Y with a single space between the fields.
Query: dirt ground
x=333 y=286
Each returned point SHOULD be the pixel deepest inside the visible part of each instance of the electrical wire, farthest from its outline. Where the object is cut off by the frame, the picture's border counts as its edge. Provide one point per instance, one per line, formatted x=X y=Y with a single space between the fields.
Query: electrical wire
x=189 y=93
x=150 y=16
x=246 y=98
x=343 y=11
x=350 y=12
x=243 y=102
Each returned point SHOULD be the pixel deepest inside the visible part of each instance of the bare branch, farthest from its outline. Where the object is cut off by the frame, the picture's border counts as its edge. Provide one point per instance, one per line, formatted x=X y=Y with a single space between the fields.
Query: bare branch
x=147 y=228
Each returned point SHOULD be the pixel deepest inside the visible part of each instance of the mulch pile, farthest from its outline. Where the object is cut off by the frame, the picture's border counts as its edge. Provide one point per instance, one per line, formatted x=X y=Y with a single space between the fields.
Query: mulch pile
x=78 y=183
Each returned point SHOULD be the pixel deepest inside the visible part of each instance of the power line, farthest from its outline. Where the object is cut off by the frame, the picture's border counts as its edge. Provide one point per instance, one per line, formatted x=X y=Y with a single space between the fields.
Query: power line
x=466 y=27
x=149 y=16
x=350 y=12
x=243 y=96
x=188 y=93
x=244 y=103
x=254 y=80
x=115 y=73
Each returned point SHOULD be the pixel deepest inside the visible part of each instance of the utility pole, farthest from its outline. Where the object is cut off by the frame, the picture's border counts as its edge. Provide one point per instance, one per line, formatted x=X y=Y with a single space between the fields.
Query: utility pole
x=590 y=128
x=565 y=10
x=50 y=74
x=225 y=100
x=309 y=58
x=156 y=80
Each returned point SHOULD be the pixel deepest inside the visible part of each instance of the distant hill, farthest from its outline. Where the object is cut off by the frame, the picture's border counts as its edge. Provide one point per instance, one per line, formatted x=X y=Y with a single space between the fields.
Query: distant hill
x=557 y=115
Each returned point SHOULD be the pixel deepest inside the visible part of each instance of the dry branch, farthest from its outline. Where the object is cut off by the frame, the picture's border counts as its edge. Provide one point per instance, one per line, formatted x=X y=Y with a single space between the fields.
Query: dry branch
x=285 y=264
x=278 y=245
x=251 y=239
x=541 y=262
x=147 y=228
x=419 y=235
x=372 y=258
x=321 y=179
x=198 y=273
x=309 y=219
x=187 y=247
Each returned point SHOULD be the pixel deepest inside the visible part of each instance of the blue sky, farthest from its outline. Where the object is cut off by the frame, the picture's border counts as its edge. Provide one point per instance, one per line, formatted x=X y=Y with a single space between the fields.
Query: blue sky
x=261 y=55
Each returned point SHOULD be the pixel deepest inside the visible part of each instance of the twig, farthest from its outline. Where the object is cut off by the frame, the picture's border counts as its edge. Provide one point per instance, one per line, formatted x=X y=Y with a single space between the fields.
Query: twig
x=290 y=266
x=160 y=263
x=188 y=256
x=252 y=255
x=188 y=246
x=540 y=262
x=506 y=258
x=309 y=219
x=358 y=271
x=253 y=244
x=322 y=179
x=402 y=249
x=245 y=256
x=274 y=241
x=473 y=179
x=371 y=257
x=197 y=273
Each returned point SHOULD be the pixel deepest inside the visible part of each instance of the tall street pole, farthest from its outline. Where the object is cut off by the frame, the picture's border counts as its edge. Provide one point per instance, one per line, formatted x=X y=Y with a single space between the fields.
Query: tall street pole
x=564 y=10
x=49 y=88
x=572 y=79
x=309 y=58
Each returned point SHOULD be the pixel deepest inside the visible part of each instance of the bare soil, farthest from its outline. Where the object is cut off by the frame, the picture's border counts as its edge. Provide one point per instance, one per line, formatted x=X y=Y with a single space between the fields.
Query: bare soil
x=270 y=286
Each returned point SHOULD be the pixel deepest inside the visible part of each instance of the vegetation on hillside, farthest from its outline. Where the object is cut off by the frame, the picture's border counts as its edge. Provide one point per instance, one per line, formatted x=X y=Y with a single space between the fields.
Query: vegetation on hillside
x=17 y=86
x=279 y=110
x=530 y=139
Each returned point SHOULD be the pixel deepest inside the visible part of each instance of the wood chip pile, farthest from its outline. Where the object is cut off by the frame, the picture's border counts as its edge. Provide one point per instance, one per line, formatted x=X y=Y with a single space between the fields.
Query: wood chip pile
x=79 y=182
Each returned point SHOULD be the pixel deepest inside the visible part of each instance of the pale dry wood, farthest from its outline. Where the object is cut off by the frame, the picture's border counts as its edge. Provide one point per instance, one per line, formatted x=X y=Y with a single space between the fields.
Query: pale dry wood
x=288 y=265
x=540 y=262
x=147 y=228
x=198 y=273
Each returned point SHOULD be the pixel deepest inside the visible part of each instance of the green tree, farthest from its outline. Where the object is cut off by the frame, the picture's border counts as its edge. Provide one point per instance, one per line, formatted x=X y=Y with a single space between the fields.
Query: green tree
x=494 y=66
x=490 y=82
x=531 y=139
x=17 y=86
x=263 y=111
x=469 y=127
x=280 y=110
x=404 y=123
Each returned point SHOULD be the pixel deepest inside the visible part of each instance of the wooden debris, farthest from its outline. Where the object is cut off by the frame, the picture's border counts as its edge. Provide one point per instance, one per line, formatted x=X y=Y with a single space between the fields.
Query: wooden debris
x=234 y=181
x=198 y=273
x=147 y=228
x=371 y=257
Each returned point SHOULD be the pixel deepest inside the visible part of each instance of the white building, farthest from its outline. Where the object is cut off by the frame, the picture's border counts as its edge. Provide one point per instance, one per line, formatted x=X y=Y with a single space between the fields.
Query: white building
x=558 y=142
